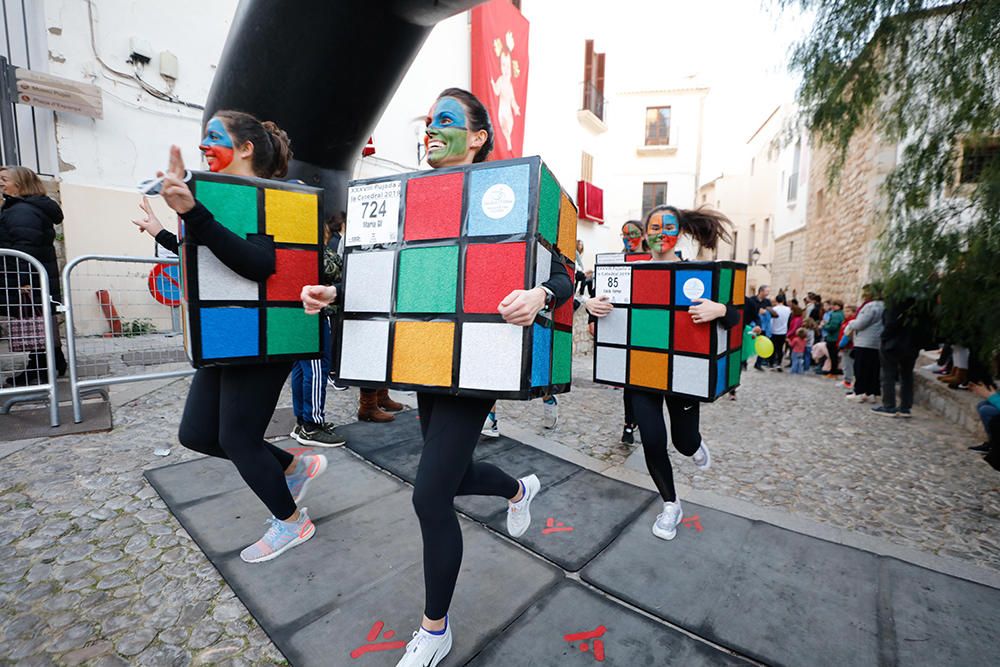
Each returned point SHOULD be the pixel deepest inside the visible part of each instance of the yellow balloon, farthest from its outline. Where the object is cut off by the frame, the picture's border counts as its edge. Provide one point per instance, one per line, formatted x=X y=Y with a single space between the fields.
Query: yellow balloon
x=764 y=347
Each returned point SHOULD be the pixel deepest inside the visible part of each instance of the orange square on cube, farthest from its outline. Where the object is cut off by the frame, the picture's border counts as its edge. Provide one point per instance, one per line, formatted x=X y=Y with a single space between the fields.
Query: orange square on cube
x=648 y=369
x=739 y=288
x=567 y=227
x=422 y=353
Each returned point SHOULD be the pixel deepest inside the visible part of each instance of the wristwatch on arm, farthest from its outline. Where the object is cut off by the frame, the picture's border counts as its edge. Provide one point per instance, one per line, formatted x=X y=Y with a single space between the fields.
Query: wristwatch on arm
x=550 y=299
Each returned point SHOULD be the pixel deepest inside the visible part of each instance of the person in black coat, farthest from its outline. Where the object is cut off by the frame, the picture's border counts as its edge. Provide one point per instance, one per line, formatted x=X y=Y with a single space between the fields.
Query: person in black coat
x=27 y=223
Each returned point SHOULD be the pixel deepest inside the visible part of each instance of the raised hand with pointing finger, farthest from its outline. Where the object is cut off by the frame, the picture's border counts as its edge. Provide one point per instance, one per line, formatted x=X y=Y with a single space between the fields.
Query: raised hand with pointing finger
x=176 y=192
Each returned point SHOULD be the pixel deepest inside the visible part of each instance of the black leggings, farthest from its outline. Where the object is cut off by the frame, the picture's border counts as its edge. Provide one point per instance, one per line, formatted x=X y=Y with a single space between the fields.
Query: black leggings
x=867 y=376
x=648 y=410
x=450 y=426
x=627 y=400
x=226 y=415
x=779 y=349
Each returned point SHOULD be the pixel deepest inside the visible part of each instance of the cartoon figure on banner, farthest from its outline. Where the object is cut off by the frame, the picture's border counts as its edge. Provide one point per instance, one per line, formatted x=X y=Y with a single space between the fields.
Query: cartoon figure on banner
x=503 y=88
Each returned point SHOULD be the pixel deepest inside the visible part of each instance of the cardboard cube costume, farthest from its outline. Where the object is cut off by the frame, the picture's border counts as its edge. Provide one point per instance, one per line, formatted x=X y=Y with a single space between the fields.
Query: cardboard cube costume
x=429 y=256
x=649 y=340
x=229 y=319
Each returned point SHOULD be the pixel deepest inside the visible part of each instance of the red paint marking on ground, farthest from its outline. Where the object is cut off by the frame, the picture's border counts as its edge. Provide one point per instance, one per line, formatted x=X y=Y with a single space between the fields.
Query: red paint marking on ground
x=599 y=650
x=373 y=634
x=375 y=631
x=551 y=526
x=590 y=634
x=390 y=634
x=693 y=522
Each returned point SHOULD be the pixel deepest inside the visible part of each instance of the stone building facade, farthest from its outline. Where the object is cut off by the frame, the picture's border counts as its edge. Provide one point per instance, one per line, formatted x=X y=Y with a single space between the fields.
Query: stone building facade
x=846 y=216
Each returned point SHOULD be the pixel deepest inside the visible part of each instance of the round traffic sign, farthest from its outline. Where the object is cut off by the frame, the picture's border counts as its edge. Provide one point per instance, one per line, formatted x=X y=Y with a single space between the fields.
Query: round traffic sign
x=165 y=284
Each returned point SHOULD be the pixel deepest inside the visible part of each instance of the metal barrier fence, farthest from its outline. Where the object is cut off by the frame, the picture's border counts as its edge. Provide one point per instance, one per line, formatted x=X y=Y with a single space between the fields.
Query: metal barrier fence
x=122 y=313
x=29 y=332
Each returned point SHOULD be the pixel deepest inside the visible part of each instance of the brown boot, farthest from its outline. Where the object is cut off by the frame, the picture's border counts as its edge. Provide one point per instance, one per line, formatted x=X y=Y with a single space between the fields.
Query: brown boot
x=368 y=410
x=387 y=403
x=948 y=377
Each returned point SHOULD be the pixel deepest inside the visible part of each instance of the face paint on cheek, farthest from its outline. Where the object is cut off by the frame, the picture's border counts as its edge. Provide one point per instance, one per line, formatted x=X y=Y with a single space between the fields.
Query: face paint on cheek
x=217 y=146
x=447 y=135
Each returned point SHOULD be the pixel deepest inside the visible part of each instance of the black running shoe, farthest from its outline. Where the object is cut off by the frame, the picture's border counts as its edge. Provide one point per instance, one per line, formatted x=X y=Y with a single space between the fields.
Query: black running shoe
x=627 y=435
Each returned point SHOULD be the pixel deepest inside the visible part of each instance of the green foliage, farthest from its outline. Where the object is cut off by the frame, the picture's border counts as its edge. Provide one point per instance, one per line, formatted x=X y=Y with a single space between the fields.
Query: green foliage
x=926 y=75
x=139 y=327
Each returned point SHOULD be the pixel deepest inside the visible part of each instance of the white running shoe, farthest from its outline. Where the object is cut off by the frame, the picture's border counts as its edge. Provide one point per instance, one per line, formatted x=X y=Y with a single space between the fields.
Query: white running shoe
x=550 y=414
x=665 y=527
x=519 y=513
x=427 y=649
x=702 y=457
x=491 y=428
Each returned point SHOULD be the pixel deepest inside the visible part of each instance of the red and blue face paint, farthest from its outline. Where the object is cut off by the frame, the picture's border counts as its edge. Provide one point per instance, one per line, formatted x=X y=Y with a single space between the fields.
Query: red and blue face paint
x=217 y=146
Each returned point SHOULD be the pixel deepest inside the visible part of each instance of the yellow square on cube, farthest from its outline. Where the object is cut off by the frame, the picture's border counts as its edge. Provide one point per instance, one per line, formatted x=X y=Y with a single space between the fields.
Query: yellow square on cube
x=291 y=217
x=422 y=353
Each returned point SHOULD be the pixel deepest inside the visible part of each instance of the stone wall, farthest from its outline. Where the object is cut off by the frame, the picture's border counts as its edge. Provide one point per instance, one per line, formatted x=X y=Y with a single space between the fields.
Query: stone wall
x=788 y=265
x=845 y=217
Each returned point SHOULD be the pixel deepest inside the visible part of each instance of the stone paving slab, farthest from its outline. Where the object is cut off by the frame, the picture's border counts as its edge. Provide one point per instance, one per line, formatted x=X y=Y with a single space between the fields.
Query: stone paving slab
x=281 y=424
x=549 y=635
x=320 y=601
x=572 y=521
x=29 y=423
x=788 y=599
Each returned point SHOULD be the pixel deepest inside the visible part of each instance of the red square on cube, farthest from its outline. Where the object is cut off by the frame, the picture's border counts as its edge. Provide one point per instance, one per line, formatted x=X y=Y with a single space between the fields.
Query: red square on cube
x=736 y=334
x=564 y=313
x=492 y=271
x=433 y=207
x=691 y=337
x=292 y=270
x=651 y=287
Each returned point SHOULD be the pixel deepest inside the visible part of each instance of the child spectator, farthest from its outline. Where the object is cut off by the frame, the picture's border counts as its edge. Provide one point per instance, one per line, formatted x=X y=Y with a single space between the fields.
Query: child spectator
x=831 y=334
x=846 y=345
x=797 y=343
x=811 y=327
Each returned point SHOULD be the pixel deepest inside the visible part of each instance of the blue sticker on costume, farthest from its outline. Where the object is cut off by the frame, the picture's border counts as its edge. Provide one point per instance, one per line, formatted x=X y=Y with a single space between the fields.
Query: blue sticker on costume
x=498 y=201
x=691 y=285
x=541 y=356
x=230 y=332
x=720 y=376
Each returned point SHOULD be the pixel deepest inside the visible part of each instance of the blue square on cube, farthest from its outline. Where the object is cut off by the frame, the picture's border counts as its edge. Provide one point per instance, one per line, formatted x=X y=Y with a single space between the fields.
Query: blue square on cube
x=541 y=356
x=720 y=376
x=498 y=200
x=690 y=285
x=230 y=332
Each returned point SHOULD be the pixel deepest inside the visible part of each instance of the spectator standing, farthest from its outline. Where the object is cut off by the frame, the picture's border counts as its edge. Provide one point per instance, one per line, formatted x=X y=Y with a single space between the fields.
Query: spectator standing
x=905 y=331
x=867 y=330
x=27 y=223
x=831 y=330
x=584 y=278
x=755 y=309
x=846 y=346
x=797 y=345
x=779 y=331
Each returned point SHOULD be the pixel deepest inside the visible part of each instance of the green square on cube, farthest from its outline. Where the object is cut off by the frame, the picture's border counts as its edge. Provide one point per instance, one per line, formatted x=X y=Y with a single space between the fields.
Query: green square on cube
x=234 y=206
x=291 y=331
x=725 y=285
x=650 y=328
x=734 y=368
x=562 y=357
x=548 y=207
x=427 y=280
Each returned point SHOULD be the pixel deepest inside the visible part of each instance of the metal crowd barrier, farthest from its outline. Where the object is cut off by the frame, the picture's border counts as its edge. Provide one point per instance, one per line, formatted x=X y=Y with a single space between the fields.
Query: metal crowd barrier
x=22 y=296
x=121 y=314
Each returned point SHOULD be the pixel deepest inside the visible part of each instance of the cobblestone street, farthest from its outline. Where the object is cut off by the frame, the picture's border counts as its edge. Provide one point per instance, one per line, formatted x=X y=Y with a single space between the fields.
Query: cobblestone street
x=97 y=572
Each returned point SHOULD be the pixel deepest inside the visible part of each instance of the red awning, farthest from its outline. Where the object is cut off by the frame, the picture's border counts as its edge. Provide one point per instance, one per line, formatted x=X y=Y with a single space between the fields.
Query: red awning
x=590 y=199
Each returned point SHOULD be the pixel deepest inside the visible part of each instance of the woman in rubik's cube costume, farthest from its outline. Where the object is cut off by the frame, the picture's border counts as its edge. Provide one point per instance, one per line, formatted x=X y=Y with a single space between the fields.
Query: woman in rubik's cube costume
x=459 y=132
x=229 y=407
x=671 y=234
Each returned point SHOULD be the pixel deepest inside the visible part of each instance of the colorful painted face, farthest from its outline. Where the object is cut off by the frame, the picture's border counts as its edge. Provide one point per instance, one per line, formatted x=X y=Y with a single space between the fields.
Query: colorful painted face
x=631 y=237
x=217 y=145
x=662 y=231
x=447 y=133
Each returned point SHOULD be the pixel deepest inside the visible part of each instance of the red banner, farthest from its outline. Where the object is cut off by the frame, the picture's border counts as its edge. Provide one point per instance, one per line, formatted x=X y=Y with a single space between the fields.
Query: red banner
x=500 y=72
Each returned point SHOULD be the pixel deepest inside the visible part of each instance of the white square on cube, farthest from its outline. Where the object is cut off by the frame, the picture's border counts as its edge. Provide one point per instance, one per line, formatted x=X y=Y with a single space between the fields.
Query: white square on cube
x=368 y=282
x=610 y=364
x=689 y=375
x=491 y=356
x=543 y=264
x=217 y=282
x=722 y=339
x=613 y=327
x=364 y=350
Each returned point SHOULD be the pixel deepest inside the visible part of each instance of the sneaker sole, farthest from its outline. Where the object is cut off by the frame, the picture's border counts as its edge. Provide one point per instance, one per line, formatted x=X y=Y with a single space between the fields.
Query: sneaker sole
x=323 y=463
x=527 y=508
x=317 y=443
x=490 y=434
x=884 y=414
x=664 y=535
x=904 y=416
x=708 y=461
x=294 y=543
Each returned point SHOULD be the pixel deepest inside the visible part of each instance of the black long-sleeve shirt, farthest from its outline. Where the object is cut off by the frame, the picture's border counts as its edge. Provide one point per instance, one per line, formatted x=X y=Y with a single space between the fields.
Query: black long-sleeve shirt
x=253 y=258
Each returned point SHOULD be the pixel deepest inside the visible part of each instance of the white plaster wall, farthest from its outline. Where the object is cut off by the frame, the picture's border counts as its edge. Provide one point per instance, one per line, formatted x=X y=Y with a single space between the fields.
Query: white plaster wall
x=789 y=216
